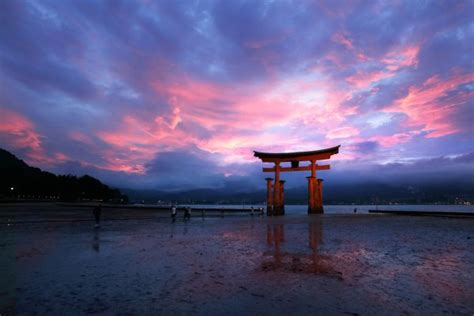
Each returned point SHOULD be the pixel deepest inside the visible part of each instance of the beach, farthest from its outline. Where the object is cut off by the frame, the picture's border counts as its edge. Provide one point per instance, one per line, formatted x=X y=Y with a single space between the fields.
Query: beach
x=332 y=264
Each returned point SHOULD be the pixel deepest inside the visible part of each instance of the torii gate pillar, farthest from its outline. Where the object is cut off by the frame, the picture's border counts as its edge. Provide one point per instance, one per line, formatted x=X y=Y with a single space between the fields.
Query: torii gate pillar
x=269 y=196
x=310 y=194
x=319 y=205
x=315 y=195
x=282 y=198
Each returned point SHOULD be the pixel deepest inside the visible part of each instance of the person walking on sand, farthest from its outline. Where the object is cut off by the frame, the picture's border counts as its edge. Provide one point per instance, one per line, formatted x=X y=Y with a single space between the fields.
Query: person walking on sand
x=187 y=213
x=355 y=210
x=174 y=213
x=251 y=211
x=97 y=210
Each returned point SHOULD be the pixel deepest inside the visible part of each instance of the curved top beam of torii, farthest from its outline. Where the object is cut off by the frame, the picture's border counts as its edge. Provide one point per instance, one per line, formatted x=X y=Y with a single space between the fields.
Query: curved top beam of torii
x=320 y=154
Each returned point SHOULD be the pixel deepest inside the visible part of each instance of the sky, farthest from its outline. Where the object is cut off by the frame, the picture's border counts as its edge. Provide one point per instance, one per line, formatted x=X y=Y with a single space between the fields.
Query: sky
x=176 y=95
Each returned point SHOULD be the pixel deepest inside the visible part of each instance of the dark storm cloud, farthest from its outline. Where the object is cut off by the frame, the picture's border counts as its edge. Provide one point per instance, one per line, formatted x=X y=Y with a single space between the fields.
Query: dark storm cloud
x=192 y=168
x=37 y=53
x=48 y=76
x=366 y=147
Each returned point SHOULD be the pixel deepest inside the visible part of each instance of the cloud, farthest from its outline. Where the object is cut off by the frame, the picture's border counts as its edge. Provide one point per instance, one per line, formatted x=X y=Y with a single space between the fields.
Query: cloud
x=190 y=168
x=18 y=132
x=366 y=147
x=434 y=102
x=343 y=132
x=120 y=88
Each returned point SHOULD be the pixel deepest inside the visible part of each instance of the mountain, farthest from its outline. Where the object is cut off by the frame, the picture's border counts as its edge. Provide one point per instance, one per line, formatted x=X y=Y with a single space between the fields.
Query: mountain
x=32 y=182
x=18 y=180
x=335 y=193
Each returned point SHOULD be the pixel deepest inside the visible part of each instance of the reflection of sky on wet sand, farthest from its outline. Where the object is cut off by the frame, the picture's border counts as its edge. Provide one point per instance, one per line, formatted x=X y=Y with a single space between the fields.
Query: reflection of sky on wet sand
x=295 y=264
x=96 y=240
x=450 y=287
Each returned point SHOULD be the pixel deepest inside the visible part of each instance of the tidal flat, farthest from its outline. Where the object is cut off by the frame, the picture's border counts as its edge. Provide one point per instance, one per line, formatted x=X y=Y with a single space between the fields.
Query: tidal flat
x=334 y=264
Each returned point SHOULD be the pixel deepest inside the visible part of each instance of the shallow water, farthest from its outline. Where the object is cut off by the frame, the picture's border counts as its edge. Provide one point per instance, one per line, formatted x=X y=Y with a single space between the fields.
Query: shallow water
x=298 y=264
x=347 y=209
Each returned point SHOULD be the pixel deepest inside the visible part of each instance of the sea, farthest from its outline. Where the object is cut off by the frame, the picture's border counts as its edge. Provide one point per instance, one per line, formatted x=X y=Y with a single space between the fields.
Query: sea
x=348 y=209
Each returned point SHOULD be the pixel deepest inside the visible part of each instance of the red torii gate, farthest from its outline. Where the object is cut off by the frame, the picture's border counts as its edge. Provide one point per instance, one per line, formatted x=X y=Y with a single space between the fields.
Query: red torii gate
x=275 y=192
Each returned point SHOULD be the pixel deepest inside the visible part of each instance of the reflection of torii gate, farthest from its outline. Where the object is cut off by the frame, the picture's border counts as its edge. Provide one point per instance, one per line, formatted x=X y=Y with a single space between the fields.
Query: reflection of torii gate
x=275 y=192
x=299 y=262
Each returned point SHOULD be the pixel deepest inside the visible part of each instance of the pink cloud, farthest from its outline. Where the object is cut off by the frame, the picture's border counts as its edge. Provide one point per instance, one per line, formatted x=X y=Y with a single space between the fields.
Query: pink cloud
x=428 y=105
x=388 y=66
x=80 y=137
x=19 y=132
x=136 y=142
x=343 y=39
x=343 y=132
x=276 y=115
x=61 y=157
x=123 y=156
x=279 y=114
x=336 y=59
x=362 y=57
x=363 y=79
x=247 y=117
x=404 y=57
x=395 y=139
x=170 y=121
x=189 y=90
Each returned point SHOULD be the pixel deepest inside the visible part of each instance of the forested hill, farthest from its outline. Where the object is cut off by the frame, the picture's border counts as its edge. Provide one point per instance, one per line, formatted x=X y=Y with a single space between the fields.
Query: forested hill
x=20 y=181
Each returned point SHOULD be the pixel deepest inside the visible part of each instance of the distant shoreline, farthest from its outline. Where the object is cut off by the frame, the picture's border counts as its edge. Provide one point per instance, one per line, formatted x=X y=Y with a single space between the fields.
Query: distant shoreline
x=421 y=213
x=139 y=205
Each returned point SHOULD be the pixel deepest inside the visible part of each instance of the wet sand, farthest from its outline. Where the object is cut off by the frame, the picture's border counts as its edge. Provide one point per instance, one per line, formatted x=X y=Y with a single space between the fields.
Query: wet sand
x=292 y=265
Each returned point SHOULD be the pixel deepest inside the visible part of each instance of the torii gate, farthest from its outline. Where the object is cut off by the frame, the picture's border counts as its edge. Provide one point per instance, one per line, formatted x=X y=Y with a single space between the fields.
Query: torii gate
x=275 y=192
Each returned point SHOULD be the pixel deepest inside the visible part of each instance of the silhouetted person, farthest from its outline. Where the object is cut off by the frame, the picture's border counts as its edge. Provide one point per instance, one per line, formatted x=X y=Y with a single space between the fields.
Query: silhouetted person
x=97 y=211
x=251 y=211
x=261 y=211
x=174 y=213
x=187 y=213
x=355 y=210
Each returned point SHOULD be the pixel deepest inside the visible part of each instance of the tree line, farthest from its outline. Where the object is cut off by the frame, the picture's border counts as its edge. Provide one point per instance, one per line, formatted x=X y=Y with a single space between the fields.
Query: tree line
x=20 y=181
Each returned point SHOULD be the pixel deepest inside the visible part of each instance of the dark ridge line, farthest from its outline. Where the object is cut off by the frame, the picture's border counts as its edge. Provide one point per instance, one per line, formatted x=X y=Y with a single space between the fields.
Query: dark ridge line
x=423 y=213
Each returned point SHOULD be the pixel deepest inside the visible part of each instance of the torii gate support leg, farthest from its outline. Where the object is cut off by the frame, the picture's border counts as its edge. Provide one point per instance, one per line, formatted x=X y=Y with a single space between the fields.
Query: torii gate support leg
x=277 y=203
x=269 y=196
x=318 y=194
x=311 y=200
x=282 y=197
